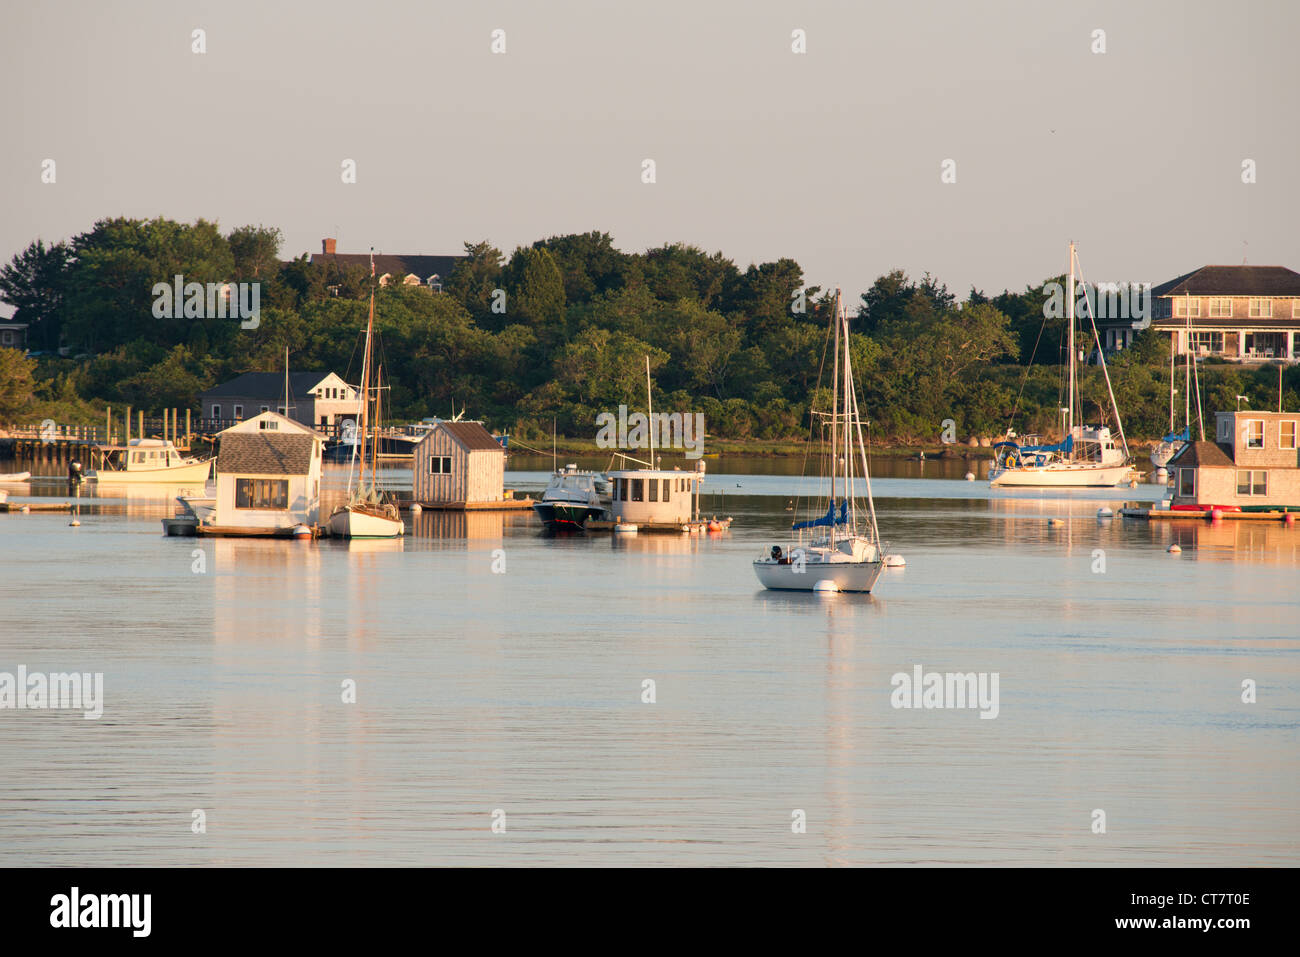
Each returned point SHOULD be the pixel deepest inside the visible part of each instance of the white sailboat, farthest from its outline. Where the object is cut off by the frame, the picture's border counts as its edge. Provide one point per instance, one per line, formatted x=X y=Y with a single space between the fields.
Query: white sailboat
x=1089 y=456
x=368 y=512
x=844 y=552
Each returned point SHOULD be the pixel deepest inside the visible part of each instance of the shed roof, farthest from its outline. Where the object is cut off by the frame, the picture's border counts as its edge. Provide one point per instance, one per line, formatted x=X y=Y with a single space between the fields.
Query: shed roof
x=265 y=453
x=471 y=436
x=1203 y=455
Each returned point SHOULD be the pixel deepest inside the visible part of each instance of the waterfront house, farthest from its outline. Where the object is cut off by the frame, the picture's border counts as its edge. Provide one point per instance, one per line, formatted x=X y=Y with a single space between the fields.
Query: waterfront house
x=429 y=272
x=1252 y=464
x=268 y=476
x=1240 y=313
x=13 y=335
x=316 y=399
x=458 y=465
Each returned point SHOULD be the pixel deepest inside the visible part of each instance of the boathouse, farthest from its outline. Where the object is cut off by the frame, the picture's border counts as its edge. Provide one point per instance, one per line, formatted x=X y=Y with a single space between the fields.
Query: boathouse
x=458 y=465
x=1252 y=466
x=268 y=476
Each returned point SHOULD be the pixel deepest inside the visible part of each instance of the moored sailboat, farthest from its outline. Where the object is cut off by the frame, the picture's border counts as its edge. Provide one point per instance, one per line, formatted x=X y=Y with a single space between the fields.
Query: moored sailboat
x=1088 y=456
x=368 y=512
x=844 y=551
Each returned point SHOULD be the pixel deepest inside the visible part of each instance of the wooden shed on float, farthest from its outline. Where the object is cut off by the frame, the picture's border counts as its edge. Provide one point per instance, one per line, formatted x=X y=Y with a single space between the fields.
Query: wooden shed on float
x=459 y=465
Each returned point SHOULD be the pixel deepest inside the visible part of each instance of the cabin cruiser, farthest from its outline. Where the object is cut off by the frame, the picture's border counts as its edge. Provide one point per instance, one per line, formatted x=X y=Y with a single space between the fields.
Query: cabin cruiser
x=146 y=460
x=571 y=498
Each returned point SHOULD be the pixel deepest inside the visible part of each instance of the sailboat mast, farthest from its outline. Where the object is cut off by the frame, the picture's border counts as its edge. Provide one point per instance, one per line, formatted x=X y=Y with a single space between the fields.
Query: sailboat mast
x=1187 y=362
x=286 y=382
x=650 y=409
x=848 y=434
x=374 y=445
x=1171 y=386
x=835 y=411
x=1069 y=305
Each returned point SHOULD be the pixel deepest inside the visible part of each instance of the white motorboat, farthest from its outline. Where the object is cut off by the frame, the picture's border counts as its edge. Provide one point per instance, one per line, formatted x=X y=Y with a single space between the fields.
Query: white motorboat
x=146 y=460
x=572 y=497
x=1088 y=456
x=845 y=552
x=14 y=477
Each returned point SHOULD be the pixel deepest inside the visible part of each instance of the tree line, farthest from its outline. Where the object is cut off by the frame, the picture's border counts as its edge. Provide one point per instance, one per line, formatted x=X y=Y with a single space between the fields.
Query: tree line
x=558 y=331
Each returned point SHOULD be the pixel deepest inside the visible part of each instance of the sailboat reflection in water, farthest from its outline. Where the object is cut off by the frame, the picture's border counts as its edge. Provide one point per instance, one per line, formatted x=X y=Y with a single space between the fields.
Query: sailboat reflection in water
x=844 y=552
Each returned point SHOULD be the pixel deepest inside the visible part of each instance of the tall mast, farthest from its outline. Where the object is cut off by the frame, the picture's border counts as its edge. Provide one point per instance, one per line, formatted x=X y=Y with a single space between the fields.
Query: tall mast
x=650 y=409
x=1171 y=385
x=374 y=445
x=835 y=411
x=1069 y=305
x=286 y=382
x=1187 y=361
x=848 y=397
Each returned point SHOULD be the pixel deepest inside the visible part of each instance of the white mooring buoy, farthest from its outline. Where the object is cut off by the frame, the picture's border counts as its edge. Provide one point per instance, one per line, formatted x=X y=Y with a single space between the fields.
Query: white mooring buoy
x=417 y=508
x=1105 y=512
x=895 y=561
x=1056 y=522
x=1174 y=549
x=75 y=523
x=970 y=476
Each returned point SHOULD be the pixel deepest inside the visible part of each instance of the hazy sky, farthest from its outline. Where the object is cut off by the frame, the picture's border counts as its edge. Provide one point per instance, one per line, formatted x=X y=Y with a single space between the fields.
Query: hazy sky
x=832 y=158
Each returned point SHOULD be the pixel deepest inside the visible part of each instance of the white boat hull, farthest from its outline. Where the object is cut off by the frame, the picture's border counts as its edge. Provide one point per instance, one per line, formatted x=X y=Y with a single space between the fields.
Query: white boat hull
x=15 y=476
x=1061 y=475
x=349 y=523
x=191 y=473
x=847 y=576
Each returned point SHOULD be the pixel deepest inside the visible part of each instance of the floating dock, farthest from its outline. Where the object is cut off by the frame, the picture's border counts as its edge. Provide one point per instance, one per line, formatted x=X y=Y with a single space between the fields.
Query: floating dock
x=1162 y=514
x=35 y=506
x=505 y=505
x=692 y=527
x=235 y=531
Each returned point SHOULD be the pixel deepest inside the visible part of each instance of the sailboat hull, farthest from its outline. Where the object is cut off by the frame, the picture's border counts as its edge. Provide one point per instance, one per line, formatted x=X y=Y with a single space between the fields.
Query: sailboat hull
x=353 y=522
x=1061 y=475
x=846 y=576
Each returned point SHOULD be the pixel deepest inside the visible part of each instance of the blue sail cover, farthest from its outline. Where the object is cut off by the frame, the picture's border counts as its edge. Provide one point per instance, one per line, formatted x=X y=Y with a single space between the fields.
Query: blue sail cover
x=1184 y=436
x=1065 y=448
x=826 y=519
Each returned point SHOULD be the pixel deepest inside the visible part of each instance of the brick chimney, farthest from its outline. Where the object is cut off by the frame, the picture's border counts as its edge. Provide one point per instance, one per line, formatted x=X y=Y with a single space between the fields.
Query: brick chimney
x=327 y=246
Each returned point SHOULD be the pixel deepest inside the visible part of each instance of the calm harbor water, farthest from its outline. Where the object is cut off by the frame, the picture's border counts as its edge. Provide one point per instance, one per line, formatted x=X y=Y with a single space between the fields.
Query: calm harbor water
x=224 y=660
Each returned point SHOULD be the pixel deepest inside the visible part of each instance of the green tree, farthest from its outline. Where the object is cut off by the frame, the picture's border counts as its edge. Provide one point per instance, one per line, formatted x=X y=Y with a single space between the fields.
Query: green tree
x=33 y=282
x=16 y=383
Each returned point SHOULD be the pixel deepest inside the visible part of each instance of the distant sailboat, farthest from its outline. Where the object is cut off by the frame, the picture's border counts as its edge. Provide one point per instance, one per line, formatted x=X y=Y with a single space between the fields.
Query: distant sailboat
x=1087 y=456
x=368 y=512
x=844 y=552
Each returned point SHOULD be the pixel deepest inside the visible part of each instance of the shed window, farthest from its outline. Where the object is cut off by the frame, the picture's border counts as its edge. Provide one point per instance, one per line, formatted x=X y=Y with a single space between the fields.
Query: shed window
x=1187 y=482
x=261 y=493
x=440 y=465
x=1252 y=482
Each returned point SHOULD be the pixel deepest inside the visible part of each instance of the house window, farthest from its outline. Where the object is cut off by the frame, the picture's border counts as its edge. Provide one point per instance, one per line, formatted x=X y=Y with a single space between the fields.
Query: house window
x=216 y=412
x=1253 y=430
x=1185 y=307
x=439 y=464
x=637 y=489
x=1287 y=434
x=261 y=493
x=7 y=337
x=1225 y=430
x=1206 y=343
x=1261 y=308
x=239 y=412
x=1187 y=483
x=667 y=488
x=1252 y=482
x=1220 y=308
x=1295 y=308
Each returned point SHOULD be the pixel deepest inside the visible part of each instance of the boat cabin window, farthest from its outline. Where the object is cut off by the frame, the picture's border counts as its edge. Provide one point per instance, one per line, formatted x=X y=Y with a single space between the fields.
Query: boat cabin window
x=637 y=492
x=619 y=491
x=1187 y=482
x=440 y=465
x=653 y=489
x=261 y=493
x=138 y=458
x=668 y=484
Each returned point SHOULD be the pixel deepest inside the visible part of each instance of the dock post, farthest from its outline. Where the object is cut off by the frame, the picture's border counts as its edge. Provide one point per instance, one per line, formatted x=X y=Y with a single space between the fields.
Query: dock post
x=187 y=426
x=108 y=425
x=140 y=420
x=127 y=441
